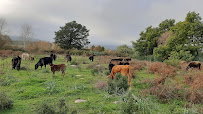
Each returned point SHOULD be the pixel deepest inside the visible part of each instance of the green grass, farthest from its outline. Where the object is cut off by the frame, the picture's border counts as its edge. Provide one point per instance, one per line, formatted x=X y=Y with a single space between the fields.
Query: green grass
x=29 y=88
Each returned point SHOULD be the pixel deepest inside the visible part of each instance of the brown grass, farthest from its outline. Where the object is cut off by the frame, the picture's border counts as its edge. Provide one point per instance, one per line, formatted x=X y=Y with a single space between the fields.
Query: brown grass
x=7 y=53
x=100 y=85
x=159 y=68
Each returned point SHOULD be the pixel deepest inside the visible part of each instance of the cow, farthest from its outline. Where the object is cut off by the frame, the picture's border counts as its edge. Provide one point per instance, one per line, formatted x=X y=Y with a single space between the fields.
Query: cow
x=68 y=58
x=53 y=56
x=125 y=70
x=25 y=56
x=31 y=58
x=43 y=61
x=16 y=61
x=127 y=59
x=91 y=58
x=194 y=64
x=59 y=67
x=117 y=61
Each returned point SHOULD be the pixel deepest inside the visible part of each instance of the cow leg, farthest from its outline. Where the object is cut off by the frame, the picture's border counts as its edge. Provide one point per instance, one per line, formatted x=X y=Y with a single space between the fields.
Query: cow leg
x=129 y=82
x=199 y=67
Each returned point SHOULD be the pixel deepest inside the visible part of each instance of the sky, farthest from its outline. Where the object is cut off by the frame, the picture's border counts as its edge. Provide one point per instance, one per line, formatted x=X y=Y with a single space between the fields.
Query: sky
x=111 y=22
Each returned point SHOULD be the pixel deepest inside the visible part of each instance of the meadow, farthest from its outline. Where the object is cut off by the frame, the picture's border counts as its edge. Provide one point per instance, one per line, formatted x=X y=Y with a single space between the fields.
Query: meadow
x=156 y=88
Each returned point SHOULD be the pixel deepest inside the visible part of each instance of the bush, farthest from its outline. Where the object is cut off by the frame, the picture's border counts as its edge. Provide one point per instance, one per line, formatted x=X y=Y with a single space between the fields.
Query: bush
x=119 y=85
x=173 y=62
x=162 y=69
x=44 y=108
x=5 y=102
x=133 y=105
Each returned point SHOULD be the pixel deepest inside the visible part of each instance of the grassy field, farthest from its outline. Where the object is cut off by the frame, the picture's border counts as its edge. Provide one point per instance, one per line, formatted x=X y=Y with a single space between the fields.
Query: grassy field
x=33 y=91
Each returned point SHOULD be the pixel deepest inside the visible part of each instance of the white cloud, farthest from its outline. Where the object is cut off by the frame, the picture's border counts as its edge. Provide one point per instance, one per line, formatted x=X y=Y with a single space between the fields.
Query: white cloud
x=110 y=21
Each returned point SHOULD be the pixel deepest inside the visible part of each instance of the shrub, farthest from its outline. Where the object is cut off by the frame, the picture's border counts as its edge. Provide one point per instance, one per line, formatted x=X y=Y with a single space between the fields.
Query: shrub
x=51 y=87
x=119 y=85
x=5 y=102
x=133 y=104
x=100 y=85
x=162 y=69
x=45 y=108
x=73 y=62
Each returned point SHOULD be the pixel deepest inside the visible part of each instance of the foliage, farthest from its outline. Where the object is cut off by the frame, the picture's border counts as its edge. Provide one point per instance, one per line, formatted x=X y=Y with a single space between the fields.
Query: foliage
x=45 y=108
x=72 y=35
x=124 y=50
x=39 y=46
x=4 y=41
x=98 y=48
x=133 y=104
x=147 y=41
x=166 y=24
x=119 y=85
x=187 y=39
x=5 y=102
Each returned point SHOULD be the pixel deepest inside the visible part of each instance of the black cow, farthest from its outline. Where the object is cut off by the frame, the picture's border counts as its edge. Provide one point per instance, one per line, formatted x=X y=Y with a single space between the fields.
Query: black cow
x=53 y=56
x=117 y=61
x=68 y=57
x=44 y=61
x=16 y=61
x=127 y=59
x=91 y=58
x=194 y=64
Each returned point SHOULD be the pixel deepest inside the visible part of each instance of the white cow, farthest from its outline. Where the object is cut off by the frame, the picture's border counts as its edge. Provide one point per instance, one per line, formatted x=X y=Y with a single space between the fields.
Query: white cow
x=25 y=56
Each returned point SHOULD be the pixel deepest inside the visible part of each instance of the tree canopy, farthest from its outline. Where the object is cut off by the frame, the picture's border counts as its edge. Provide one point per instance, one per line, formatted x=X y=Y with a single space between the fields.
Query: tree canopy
x=183 y=37
x=72 y=35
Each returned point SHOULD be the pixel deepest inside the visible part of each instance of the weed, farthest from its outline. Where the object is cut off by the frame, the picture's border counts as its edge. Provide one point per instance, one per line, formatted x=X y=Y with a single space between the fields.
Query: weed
x=5 y=102
x=119 y=85
x=51 y=87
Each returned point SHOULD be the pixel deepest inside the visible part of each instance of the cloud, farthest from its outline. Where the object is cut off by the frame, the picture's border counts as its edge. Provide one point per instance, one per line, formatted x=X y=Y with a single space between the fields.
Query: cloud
x=109 y=21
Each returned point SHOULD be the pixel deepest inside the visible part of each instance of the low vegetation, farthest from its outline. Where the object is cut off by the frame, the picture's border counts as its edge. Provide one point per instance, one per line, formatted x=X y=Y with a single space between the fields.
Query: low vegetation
x=156 y=88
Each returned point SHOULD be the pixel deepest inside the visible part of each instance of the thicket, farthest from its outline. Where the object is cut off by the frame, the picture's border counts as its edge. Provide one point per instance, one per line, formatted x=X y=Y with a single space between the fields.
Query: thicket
x=118 y=86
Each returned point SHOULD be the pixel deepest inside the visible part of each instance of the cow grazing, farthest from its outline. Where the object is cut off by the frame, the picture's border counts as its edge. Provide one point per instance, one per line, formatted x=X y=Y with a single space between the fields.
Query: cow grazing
x=68 y=58
x=59 y=67
x=53 y=56
x=25 y=56
x=91 y=58
x=16 y=61
x=117 y=61
x=125 y=70
x=194 y=64
x=43 y=61
x=31 y=58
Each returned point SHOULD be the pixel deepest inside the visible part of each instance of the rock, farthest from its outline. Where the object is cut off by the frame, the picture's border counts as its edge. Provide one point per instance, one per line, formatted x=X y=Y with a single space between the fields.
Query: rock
x=73 y=65
x=80 y=100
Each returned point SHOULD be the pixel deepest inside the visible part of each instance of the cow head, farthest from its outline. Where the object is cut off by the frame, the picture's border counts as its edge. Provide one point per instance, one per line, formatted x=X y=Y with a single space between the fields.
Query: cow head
x=36 y=66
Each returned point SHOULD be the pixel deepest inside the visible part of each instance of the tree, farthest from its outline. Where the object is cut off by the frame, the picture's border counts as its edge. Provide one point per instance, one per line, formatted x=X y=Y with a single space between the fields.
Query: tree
x=26 y=34
x=4 y=41
x=4 y=38
x=147 y=41
x=166 y=24
x=3 y=25
x=188 y=37
x=72 y=35
x=124 y=50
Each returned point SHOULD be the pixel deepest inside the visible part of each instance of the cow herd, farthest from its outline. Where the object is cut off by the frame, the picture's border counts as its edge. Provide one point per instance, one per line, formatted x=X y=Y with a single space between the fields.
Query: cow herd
x=116 y=65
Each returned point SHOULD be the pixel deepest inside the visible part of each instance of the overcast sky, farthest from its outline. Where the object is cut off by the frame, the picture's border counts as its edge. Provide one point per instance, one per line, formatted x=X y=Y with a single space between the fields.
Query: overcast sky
x=113 y=22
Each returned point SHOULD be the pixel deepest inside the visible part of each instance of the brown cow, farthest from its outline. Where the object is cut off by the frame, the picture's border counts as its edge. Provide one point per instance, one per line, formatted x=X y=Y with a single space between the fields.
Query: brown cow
x=194 y=64
x=125 y=70
x=31 y=58
x=59 y=67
